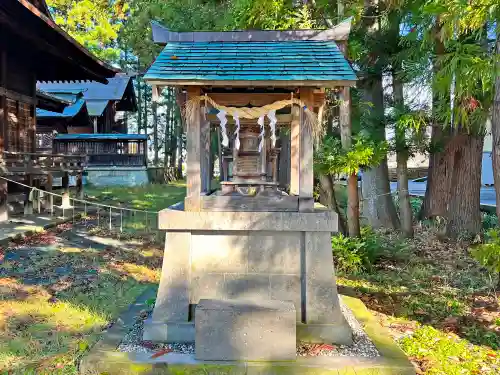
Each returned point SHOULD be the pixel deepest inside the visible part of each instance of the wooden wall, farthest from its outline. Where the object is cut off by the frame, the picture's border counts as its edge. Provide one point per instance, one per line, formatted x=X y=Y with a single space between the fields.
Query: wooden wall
x=17 y=99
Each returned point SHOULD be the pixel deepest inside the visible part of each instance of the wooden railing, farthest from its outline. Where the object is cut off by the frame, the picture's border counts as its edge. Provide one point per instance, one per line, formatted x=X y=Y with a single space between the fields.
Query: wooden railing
x=117 y=160
x=40 y=163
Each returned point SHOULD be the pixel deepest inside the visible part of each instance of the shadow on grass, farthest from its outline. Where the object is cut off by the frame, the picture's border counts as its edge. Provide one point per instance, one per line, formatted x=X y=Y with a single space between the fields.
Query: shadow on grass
x=445 y=311
x=57 y=295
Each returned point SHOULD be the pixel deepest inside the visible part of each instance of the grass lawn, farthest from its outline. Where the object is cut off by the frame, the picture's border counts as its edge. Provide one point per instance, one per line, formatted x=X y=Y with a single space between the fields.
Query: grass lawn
x=151 y=198
x=59 y=291
x=439 y=304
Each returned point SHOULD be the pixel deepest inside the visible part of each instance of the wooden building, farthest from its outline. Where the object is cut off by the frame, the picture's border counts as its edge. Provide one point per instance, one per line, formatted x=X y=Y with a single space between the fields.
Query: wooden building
x=107 y=104
x=33 y=48
x=105 y=150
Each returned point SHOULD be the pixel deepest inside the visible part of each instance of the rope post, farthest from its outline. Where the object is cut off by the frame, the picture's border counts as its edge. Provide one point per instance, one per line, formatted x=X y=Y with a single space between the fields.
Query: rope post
x=121 y=221
x=98 y=215
x=110 y=225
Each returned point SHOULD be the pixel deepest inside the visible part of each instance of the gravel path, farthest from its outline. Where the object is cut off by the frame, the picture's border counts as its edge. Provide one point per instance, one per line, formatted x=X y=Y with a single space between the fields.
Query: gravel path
x=361 y=347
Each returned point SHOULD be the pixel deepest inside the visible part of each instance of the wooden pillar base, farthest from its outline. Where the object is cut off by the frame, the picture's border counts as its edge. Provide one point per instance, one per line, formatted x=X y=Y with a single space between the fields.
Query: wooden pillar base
x=48 y=202
x=79 y=186
x=28 y=204
x=4 y=207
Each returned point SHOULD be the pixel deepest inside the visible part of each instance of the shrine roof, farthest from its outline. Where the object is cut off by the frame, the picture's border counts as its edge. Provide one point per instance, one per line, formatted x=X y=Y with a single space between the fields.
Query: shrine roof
x=102 y=137
x=301 y=62
x=96 y=95
x=69 y=112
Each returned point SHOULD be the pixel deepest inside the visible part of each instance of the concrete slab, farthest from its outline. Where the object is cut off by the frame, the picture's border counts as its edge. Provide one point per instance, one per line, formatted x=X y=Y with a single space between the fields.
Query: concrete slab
x=234 y=330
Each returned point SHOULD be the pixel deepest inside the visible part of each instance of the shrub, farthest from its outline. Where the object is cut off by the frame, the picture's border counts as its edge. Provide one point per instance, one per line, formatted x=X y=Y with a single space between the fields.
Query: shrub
x=489 y=221
x=354 y=254
x=488 y=254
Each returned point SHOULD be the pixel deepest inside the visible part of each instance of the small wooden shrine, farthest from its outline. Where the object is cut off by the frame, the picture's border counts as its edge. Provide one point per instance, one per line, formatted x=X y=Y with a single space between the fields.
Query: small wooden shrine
x=33 y=47
x=249 y=242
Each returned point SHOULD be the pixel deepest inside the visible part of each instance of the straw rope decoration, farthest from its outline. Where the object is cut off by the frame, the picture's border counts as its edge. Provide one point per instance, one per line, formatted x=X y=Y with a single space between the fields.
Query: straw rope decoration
x=311 y=122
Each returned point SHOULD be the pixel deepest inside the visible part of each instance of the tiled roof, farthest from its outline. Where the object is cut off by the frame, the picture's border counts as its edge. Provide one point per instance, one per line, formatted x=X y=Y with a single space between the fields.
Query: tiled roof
x=114 y=90
x=70 y=111
x=131 y=137
x=305 y=60
x=96 y=95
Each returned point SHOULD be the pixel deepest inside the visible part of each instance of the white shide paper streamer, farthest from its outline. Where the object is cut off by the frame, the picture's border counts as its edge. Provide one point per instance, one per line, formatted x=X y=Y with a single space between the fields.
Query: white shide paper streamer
x=272 y=124
x=223 y=121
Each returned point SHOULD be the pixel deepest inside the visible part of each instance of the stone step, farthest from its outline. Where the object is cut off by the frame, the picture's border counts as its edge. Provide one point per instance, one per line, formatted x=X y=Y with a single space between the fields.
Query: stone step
x=233 y=330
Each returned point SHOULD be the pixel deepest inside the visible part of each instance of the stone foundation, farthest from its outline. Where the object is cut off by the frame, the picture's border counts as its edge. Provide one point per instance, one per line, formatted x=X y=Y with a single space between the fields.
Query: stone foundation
x=257 y=256
x=116 y=176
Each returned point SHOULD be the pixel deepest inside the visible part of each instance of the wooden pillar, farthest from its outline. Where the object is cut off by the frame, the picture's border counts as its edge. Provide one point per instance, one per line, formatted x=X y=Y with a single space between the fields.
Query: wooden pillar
x=306 y=150
x=49 y=200
x=263 y=160
x=193 y=167
x=4 y=208
x=206 y=178
x=65 y=195
x=79 y=185
x=28 y=204
x=295 y=151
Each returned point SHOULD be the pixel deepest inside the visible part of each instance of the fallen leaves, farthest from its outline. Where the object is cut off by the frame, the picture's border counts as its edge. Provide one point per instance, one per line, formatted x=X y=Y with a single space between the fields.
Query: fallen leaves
x=160 y=353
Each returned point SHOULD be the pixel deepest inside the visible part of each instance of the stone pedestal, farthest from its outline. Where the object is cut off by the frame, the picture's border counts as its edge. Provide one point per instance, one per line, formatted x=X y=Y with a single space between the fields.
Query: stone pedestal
x=283 y=256
x=234 y=330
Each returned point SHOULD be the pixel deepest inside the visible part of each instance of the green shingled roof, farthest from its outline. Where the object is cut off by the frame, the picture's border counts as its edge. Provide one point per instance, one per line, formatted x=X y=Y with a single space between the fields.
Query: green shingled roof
x=286 y=61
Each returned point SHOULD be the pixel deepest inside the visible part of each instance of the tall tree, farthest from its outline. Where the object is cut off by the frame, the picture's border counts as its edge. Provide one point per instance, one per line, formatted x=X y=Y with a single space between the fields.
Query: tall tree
x=378 y=206
x=93 y=23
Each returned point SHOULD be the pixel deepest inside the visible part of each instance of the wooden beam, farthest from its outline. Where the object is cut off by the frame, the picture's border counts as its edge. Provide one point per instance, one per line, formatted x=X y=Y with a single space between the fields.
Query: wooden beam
x=3 y=102
x=295 y=151
x=306 y=173
x=193 y=162
x=162 y=35
x=16 y=96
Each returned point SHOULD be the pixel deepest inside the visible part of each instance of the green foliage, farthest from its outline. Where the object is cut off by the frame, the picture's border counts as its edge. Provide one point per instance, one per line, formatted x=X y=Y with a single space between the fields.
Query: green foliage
x=331 y=158
x=447 y=354
x=488 y=254
x=489 y=221
x=353 y=254
x=93 y=23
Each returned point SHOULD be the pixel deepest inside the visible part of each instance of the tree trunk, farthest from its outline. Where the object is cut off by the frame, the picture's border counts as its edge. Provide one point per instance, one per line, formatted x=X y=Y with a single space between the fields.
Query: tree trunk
x=156 y=145
x=352 y=180
x=495 y=127
x=139 y=105
x=405 y=214
x=464 y=215
x=327 y=198
x=378 y=206
x=437 y=190
x=440 y=165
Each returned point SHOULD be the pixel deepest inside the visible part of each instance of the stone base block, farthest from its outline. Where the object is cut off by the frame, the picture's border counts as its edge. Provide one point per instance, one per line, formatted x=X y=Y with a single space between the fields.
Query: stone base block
x=340 y=333
x=168 y=332
x=233 y=330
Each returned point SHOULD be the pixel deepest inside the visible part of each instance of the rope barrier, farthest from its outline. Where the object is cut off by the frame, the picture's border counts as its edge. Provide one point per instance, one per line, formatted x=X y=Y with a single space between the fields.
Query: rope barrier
x=85 y=202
